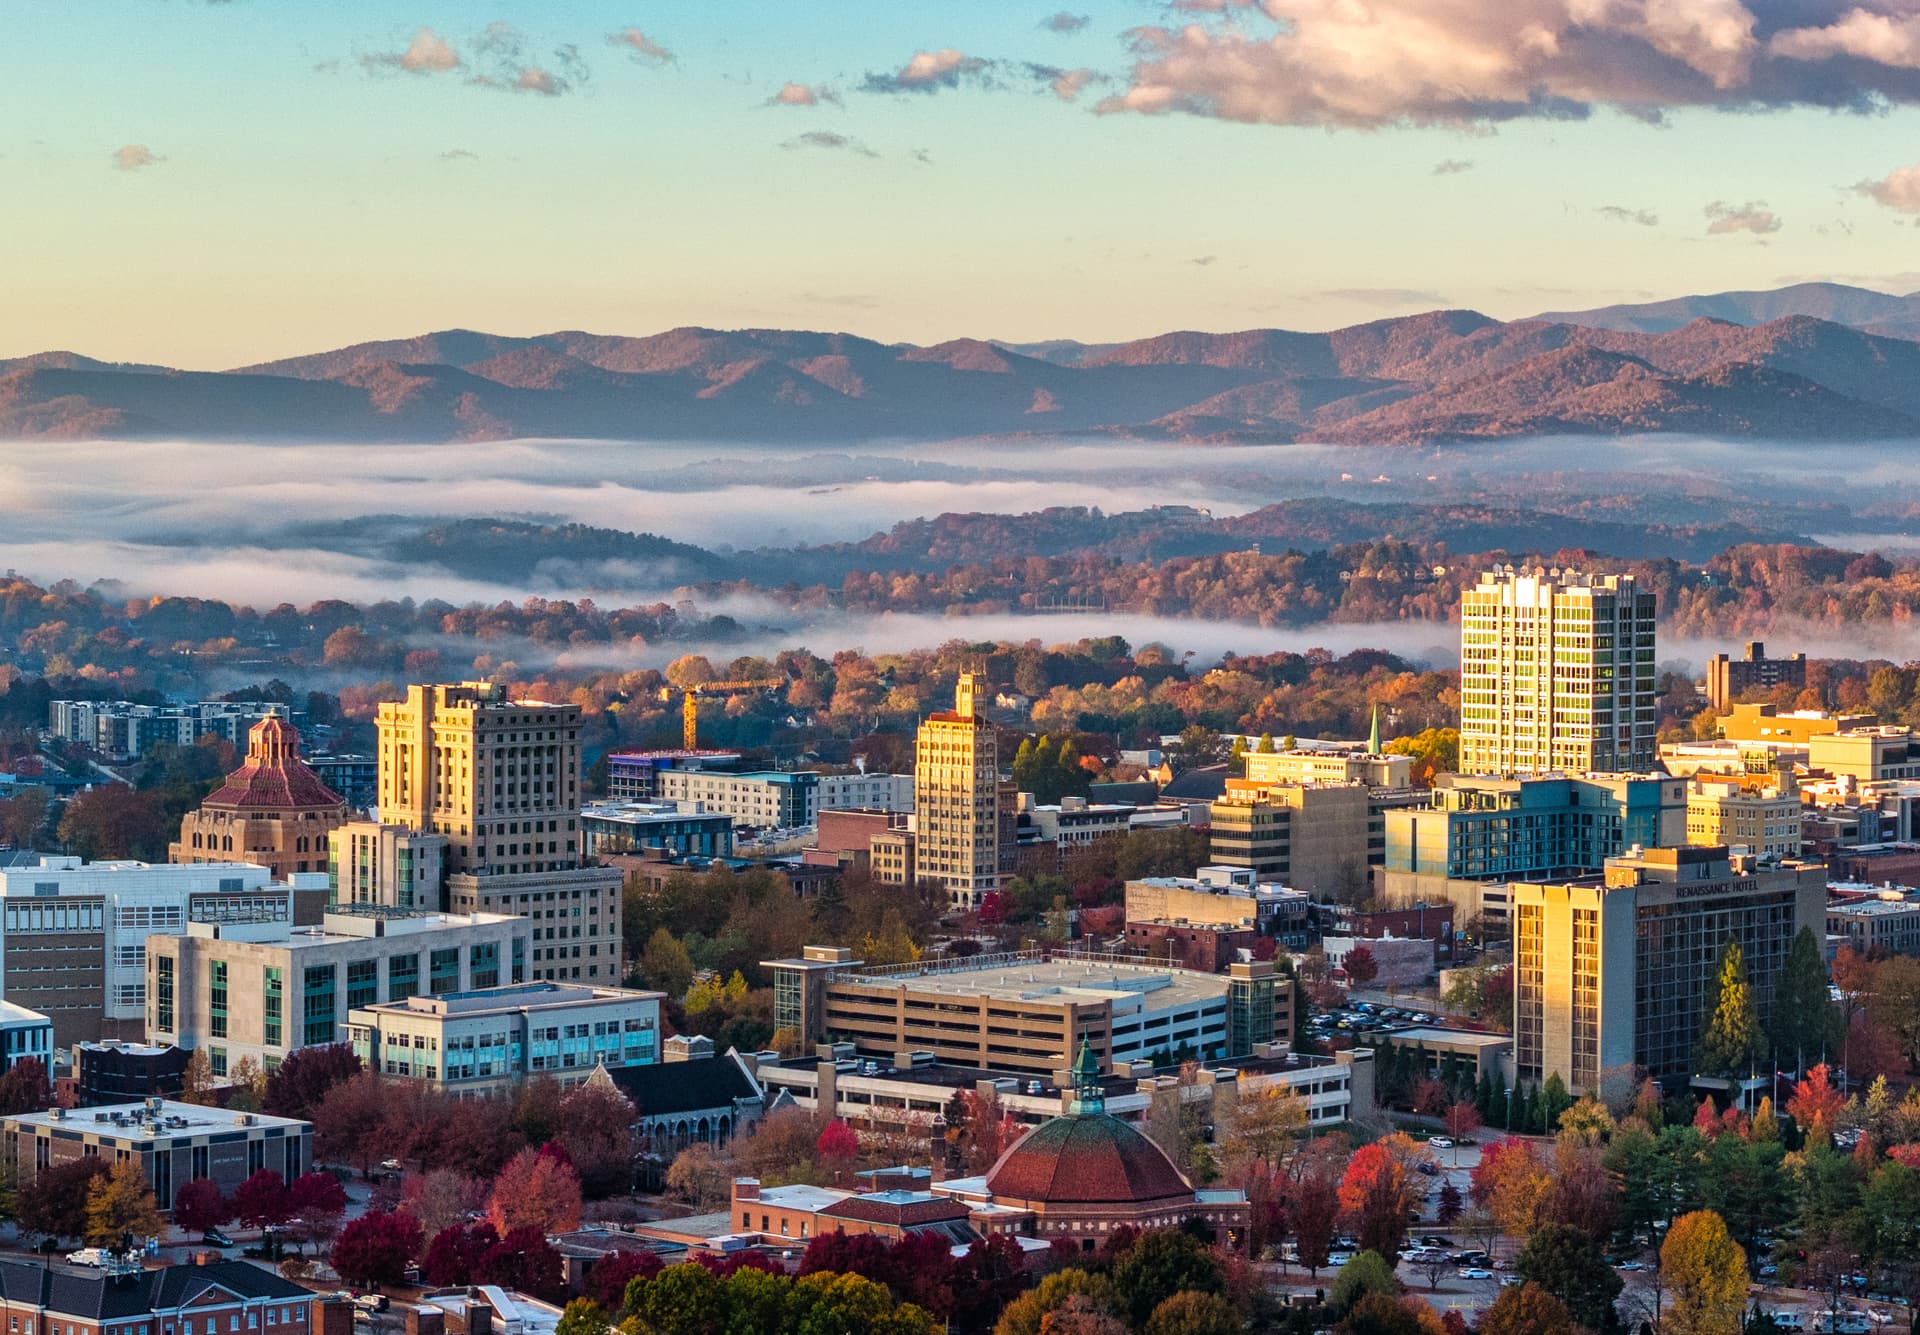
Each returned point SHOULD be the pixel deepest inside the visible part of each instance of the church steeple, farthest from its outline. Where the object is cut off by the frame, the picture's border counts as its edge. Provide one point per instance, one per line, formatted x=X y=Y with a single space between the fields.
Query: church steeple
x=1089 y=1095
x=1373 y=734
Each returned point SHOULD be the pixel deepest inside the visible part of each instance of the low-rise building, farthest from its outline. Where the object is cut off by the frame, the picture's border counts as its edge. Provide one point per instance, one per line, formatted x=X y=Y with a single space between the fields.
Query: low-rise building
x=1025 y=1011
x=1074 y=822
x=1470 y=1053
x=1310 y=836
x=106 y=1073
x=209 y=1299
x=864 y=792
x=575 y=915
x=491 y=1038
x=1887 y=921
x=690 y=1097
x=1767 y=725
x=25 y=1033
x=1728 y=677
x=683 y=830
x=1888 y=864
x=273 y=810
x=121 y=730
x=1329 y=766
x=770 y=799
x=1220 y=896
x=1867 y=755
x=1397 y=961
x=1730 y=814
x=173 y=1143
x=260 y=991
x=632 y=776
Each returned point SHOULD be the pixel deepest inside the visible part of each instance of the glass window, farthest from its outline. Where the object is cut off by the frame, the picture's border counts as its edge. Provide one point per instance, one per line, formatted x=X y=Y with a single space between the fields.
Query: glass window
x=273 y=1006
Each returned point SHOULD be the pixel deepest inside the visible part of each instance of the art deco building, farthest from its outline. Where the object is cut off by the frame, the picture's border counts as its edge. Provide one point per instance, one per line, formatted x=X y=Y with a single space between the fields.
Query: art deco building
x=500 y=779
x=956 y=799
x=1557 y=675
x=273 y=810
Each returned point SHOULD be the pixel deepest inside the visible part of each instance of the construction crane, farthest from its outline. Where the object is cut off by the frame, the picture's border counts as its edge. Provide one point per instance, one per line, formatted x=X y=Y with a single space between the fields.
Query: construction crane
x=690 y=702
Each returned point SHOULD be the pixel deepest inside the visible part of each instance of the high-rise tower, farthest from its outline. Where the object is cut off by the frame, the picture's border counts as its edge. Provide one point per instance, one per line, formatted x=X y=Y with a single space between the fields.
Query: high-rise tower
x=956 y=796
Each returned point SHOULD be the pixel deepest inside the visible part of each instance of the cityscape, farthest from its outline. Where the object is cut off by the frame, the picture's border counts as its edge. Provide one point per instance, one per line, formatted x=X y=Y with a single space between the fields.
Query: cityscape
x=1174 y=667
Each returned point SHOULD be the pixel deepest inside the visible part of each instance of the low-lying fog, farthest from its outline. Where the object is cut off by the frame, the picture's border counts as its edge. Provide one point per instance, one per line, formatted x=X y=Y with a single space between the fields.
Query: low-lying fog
x=204 y=518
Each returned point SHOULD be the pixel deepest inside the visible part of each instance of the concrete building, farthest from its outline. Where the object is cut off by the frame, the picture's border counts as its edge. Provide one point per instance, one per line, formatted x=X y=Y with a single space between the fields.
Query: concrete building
x=273 y=810
x=1611 y=972
x=861 y=791
x=1311 y=836
x=1331 y=767
x=1886 y=921
x=1471 y=1052
x=1025 y=1011
x=1867 y=755
x=1219 y=896
x=631 y=826
x=197 y=1299
x=263 y=990
x=1485 y=829
x=74 y=935
x=25 y=1033
x=126 y=1072
x=355 y=777
x=173 y=1143
x=957 y=799
x=844 y=839
x=489 y=1039
x=1769 y=726
x=1730 y=814
x=1074 y=822
x=1728 y=678
x=632 y=776
x=761 y=799
x=1874 y=863
x=389 y=866
x=119 y=730
x=1557 y=675
x=1397 y=961
x=500 y=779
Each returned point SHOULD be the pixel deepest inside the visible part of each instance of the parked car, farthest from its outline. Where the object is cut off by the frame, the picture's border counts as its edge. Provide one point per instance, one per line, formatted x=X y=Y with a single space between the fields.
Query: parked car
x=1475 y=1272
x=213 y=1237
x=1630 y=1265
x=1767 y=1271
x=89 y=1256
x=1441 y=1142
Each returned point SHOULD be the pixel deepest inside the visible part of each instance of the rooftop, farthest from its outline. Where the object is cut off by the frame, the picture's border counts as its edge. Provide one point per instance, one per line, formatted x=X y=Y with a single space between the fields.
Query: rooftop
x=1434 y=1033
x=150 y=1119
x=1046 y=980
x=339 y=929
x=510 y=998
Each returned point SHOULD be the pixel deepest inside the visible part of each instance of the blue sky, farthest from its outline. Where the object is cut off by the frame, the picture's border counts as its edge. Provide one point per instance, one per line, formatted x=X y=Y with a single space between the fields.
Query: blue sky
x=207 y=184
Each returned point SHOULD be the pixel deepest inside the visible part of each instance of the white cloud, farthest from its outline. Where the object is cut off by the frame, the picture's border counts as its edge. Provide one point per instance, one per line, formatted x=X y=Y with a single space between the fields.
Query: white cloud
x=1371 y=63
x=427 y=53
x=1064 y=22
x=930 y=71
x=1452 y=166
x=133 y=157
x=1753 y=216
x=793 y=94
x=1621 y=213
x=1900 y=189
x=643 y=48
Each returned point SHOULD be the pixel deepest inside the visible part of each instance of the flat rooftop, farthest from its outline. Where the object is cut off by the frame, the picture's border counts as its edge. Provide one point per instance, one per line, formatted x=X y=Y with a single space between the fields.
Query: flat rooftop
x=141 y=1121
x=1874 y=908
x=1433 y=1033
x=1055 y=980
x=511 y=998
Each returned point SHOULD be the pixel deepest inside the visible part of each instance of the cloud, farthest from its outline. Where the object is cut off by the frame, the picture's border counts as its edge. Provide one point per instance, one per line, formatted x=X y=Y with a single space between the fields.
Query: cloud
x=922 y=156
x=830 y=140
x=1203 y=260
x=427 y=53
x=133 y=157
x=1063 y=22
x=458 y=155
x=1344 y=64
x=803 y=95
x=1067 y=85
x=930 y=71
x=1452 y=166
x=1900 y=189
x=1621 y=213
x=509 y=65
x=1385 y=296
x=644 y=50
x=1753 y=216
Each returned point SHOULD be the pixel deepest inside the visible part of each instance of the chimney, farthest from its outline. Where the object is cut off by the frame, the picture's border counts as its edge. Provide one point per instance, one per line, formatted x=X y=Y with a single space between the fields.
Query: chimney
x=479 y=1319
x=746 y=1189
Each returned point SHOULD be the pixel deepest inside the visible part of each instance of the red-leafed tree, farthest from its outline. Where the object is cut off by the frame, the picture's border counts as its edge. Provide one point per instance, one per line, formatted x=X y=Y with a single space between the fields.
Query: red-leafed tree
x=608 y=1279
x=862 y=1254
x=199 y=1206
x=837 y=1146
x=316 y=1201
x=375 y=1248
x=1361 y=966
x=526 y=1261
x=1815 y=1103
x=262 y=1200
x=454 y=1255
x=536 y=1190
x=300 y=1083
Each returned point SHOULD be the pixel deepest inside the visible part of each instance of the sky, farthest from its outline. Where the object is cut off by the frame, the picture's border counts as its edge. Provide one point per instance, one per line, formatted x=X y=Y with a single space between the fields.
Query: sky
x=207 y=185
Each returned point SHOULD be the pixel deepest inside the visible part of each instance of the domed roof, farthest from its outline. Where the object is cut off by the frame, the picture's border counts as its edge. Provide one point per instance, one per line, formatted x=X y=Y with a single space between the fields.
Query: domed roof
x=274 y=777
x=1086 y=1158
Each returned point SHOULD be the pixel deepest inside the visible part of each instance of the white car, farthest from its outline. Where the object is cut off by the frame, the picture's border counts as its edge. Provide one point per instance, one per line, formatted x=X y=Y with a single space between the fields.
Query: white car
x=1441 y=1142
x=1475 y=1272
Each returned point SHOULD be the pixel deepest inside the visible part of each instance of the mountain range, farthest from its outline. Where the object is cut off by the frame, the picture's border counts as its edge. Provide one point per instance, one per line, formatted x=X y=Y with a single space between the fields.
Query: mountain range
x=1811 y=362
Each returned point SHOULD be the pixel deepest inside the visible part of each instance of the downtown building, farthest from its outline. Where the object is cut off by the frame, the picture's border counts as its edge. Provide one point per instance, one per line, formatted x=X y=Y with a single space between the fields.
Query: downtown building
x=1557 y=675
x=957 y=799
x=500 y=780
x=1612 y=972
x=273 y=810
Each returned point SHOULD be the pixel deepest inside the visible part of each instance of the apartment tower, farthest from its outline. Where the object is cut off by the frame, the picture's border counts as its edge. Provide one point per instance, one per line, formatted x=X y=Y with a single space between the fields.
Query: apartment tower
x=956 y=798
x=1556 y=675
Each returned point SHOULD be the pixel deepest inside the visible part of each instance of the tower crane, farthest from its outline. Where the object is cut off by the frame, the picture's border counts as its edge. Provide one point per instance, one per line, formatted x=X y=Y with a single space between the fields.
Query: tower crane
x=690 y=702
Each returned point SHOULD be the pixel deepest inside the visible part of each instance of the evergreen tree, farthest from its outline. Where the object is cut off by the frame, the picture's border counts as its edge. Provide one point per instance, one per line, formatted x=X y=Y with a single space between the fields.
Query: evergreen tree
x=1265 y=746
x=1237 y=757
x=1484 y=1097
x=1554 y=1101
x=1730 y=1036
x=1804 y=1023
x=1023 y=766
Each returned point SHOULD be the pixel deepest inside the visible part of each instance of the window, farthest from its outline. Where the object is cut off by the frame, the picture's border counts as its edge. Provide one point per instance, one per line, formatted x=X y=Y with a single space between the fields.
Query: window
x=163 y=993
x=403 y=977
x=217 y=1060
x=272 y=1010
x=217 y=1000
x=445 y=975
x=363 y=983
x=318 y=1009
x=483 y=964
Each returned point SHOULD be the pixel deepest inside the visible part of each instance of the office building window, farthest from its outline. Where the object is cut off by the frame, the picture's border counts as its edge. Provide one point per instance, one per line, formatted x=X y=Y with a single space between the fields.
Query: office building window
x=363 y=983
x=403 y=977
x=217 y=999
x=318 y=1010
x=163 y=992
x=445 y=976
x=272 y=1011
x=483 y=964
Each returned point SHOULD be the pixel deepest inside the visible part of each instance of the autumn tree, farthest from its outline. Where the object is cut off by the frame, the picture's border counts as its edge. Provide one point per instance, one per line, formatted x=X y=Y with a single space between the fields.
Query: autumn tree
x=1815 y=1103
x=317 y=1201
x=1194 y=1314
x=24 y=1088
x=376 y=1247
x=1024 y=1315
x=1704 y=1273
x=665 y=964
x=1360 y=966
x=535 y=1190
x=1160 y=1264
x=120 y=1206
x=596 y=1130
x=1730 y=1035
x=1265 y=1124
x=1571 y=1264
x=198 y=1206
x=262 y=1200
x=1526 y=1309
x=837 y=1147
x=56 y=1204
x=1512 y=1183
x=301 y=1082
x=700 y=1177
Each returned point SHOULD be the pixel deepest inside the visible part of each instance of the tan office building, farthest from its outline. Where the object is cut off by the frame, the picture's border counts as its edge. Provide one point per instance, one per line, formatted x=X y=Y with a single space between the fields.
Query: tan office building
x=1314 y=837
x=1557 y=675
x=500 y=779
x=1376 y=771
x=1611 y=972
x=1732 y=815
x=1765 y=725
x=272 y=811
x=388 y=865
x=1867 y=755
x=956 y=799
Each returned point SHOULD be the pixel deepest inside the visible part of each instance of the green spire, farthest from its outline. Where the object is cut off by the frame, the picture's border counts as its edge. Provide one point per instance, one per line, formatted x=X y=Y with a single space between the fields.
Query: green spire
x=1373 y=736
x=1089 y=1095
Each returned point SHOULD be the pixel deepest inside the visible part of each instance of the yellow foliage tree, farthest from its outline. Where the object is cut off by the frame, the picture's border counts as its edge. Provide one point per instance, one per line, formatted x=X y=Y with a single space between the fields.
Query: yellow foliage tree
x=120 y=1206
x=1705 y=1273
